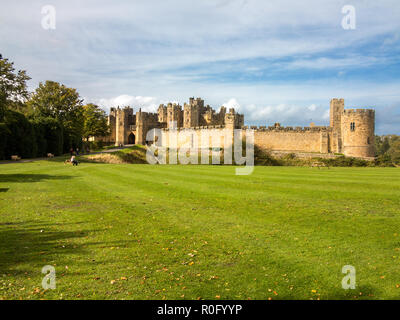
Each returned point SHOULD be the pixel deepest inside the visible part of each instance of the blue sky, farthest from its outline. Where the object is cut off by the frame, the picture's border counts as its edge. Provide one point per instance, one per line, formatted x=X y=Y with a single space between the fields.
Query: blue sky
x=275 y=61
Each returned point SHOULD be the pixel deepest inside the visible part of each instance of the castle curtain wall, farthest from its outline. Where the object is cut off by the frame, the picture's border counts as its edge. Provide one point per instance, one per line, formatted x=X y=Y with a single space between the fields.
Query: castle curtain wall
x=309 y=141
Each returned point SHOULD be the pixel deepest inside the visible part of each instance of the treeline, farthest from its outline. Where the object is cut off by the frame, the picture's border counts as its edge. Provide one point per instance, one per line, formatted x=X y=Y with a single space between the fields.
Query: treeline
x=52 y=119
x=387 y=149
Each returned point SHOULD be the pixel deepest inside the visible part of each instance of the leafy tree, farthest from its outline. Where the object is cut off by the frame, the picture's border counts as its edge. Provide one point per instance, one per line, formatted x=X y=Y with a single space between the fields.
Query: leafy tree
x=13 y=90
x=388 y=149
x=94 y=121
x=54 y=100
x=382 y=145
x=394 y=150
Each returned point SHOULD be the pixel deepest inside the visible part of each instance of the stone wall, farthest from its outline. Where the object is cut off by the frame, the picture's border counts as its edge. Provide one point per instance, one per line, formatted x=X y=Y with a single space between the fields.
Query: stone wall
x=292 y=139
x=351 y=132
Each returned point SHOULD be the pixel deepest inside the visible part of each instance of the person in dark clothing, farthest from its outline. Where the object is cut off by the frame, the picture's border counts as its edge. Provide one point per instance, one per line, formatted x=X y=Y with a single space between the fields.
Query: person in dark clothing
x=74 y=161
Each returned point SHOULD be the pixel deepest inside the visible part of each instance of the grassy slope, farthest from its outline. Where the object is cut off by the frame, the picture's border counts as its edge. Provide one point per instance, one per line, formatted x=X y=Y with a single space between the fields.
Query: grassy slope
x=198 y=231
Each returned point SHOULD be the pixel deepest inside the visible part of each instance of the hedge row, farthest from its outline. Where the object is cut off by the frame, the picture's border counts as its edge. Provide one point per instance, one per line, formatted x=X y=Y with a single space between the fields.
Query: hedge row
x=32 y=138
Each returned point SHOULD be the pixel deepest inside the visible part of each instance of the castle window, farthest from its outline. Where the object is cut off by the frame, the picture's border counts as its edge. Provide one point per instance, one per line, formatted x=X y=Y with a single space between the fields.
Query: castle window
x=352 y=126
x=368 y=140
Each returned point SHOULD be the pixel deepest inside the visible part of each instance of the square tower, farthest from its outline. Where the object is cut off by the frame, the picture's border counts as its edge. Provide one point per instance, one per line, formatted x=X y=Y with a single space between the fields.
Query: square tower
x=336 y=109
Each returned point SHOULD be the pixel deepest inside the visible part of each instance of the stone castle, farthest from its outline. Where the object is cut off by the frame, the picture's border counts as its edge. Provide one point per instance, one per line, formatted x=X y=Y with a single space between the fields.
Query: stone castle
x=350 y=132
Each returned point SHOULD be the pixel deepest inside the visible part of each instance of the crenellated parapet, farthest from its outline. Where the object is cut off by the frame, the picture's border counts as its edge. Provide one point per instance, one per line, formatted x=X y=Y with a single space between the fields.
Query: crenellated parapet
x=364 y=113
x=288 y=129
x=199 y=128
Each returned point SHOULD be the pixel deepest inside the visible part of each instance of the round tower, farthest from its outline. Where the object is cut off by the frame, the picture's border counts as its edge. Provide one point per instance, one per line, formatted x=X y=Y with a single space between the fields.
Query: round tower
x=358 y=132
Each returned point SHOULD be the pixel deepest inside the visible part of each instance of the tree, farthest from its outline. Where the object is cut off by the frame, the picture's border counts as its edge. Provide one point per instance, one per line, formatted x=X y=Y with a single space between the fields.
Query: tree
x=394 y=150
x=55 y=100
x=382 y=144
x=94 y=121
x=13 y=90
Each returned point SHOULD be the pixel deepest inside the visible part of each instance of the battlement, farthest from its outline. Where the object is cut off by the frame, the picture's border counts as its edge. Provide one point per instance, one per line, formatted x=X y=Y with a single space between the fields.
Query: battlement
x=362 y=112
x=278 y=128
x=119 y=111
x=196 y=102
x=146 y=116
x=195 y=128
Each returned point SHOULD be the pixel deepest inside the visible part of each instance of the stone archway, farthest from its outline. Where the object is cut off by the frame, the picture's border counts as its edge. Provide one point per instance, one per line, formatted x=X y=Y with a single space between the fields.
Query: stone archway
x=131 y=138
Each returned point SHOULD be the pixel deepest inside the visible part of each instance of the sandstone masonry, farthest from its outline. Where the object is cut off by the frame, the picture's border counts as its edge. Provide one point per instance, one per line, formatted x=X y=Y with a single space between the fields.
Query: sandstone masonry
x=350 y=132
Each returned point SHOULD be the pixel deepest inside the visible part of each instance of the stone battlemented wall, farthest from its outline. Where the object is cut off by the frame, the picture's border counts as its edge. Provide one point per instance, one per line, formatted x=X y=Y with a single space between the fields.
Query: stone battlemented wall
x=350 y=132
x=310 y=139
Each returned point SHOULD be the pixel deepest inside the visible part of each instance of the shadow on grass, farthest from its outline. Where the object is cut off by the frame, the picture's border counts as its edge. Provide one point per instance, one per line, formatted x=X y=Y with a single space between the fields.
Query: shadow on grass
x=25 y=247
x=33 y=243
x=27 y=177
x=4 y=189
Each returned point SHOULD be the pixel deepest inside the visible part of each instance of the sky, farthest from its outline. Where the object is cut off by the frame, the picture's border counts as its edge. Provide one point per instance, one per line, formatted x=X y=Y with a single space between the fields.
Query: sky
x=274 y=61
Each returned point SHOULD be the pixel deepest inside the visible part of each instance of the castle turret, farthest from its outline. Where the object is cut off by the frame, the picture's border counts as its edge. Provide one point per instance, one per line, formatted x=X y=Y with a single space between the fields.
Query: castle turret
x=123 y=118
x=233 y=120
x=111 y=122
x=358 y=132
x=144 y=122
x=162 y=113
x=174 y=115
x=190 y=115
x=336 y=110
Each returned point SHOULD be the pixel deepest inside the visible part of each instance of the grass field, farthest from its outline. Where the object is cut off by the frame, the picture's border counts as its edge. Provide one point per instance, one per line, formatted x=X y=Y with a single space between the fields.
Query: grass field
x=116 y=231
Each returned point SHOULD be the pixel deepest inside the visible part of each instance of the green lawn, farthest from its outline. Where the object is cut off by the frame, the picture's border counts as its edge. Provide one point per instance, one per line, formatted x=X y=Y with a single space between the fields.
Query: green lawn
x=189 y=232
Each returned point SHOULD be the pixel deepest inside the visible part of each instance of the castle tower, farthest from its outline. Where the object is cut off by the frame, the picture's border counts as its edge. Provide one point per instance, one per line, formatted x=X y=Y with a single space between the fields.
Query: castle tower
x=144 y=122
x=358 y=132
x=140 y=127
x=233 y=120
x=336 y=109
x=111 y=122
x=162 y=113
x=122 y=120
x=174 y=114
x=190 y=116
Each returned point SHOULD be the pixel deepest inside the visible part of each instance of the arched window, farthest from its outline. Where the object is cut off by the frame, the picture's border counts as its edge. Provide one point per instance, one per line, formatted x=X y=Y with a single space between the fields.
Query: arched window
x=352 y=126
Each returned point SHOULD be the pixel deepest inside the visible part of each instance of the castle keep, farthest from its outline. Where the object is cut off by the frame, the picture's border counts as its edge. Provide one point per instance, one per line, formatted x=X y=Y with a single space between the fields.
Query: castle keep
x=350 y=132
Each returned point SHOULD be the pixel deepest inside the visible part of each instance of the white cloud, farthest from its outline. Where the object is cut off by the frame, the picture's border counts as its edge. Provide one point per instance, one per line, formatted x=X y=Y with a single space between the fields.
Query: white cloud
x=312 y=107
x=149 y=104
x=287 y=114
x=232 y=103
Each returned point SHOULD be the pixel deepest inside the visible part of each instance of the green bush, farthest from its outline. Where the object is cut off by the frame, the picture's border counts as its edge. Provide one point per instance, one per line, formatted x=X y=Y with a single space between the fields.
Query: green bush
x=29 y=139
x=264 y=158
x=4 y=133
x=343 y=161
x=20 y=138
x=49 y=136
x=384 y=160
